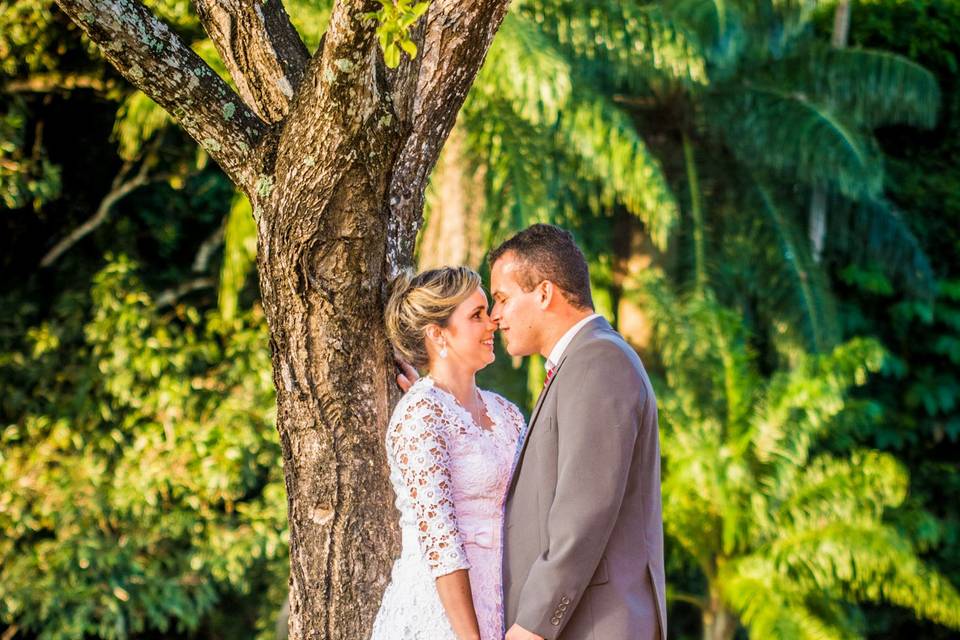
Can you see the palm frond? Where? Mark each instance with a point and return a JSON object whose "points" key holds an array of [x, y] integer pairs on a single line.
{"points": [[829, 488], [619, 44], [595, 142], [612, 152], [873, 88], [773, 127], [525, 68], [866, 560], [513, 153], [873, 232], [772, 606], [795, 275], [720, 28], [801, 403]]}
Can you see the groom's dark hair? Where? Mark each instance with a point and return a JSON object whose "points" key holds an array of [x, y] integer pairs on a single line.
{"points": [[547, 252]]}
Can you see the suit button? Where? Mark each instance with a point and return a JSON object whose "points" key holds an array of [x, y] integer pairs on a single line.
{"points": [[563, 607], [555, 622], [565, 600]]}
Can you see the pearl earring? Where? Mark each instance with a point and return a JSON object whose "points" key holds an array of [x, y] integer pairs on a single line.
{"points": [[443, 350]]}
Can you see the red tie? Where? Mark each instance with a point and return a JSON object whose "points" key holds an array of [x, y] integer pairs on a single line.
{"points": [[549, 377]]}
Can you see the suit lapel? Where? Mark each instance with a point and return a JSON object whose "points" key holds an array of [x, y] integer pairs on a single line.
{"points": [[582, 336]]}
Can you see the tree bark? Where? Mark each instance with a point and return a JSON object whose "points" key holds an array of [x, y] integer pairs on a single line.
{"points": [[452, 234], [261, 49], [335, 169], [818, 199], [719, 623], [635, 254]]}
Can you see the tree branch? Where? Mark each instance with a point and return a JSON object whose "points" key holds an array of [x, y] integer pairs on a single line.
{"points": [[157, 61], [261, 49], [455, 43], [54, 82], [205, 252], [343, 98], [120, 188], [677, 596], [171, 296]]}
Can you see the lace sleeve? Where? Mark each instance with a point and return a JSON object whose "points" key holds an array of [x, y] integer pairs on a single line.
{"points": [[419, 447]]}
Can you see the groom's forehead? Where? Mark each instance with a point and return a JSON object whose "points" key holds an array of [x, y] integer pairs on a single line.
{"points": [[504, 273]]}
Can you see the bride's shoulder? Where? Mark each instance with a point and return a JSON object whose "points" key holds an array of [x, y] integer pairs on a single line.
{"points": [[420, 399]]}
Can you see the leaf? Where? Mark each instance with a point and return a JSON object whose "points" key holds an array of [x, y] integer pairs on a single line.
{"points": [[409, 47], [391, 56]]}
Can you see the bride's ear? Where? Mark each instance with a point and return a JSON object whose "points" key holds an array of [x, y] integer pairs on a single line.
{"points": [[434, 334]]}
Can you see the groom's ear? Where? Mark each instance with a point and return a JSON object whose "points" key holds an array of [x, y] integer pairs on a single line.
{"points": [[545, 292]]}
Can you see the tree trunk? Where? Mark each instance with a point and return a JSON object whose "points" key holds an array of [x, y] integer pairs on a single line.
{"points": [[719, 623], [333, 152], [818, 199], [321, 283], [452, 233], [696, 211], [635, 253]]}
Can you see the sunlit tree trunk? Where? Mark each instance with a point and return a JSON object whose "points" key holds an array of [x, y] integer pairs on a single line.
{"points": [[333, 151], [719, 623], [634, 253], [818, 200], [452, 232]]}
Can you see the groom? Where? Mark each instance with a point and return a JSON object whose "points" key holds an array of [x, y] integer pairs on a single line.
{"points": [[583, 534]]}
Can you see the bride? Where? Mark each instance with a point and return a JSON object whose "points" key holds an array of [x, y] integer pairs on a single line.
{"points": [[450, 447]]}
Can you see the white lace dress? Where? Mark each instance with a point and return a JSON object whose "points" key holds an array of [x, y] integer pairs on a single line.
{"points": [[450, 476]]}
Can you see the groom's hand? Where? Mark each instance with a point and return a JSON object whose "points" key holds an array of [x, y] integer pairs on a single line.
{"points": [[517, 632], [407, 376]]}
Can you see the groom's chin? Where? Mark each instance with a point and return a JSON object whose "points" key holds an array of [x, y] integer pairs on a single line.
{"points": [[515, 353]]}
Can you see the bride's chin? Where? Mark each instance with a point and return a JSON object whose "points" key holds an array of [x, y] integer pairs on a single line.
{"points": [[488, 360]]}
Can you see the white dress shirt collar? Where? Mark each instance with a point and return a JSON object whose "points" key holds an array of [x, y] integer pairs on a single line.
{"points": [[557, 352]]}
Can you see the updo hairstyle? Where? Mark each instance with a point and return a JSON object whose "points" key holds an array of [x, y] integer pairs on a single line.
{"points": [[417, 301]]}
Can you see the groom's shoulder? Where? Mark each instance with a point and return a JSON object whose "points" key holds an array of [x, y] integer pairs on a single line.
{"points": [[604, 344]]}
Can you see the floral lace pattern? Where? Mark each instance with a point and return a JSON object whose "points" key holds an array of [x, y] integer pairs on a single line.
{"points": [[450, 476]]}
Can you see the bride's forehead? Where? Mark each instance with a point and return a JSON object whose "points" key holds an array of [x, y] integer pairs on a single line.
{"points": [[476, 299]]}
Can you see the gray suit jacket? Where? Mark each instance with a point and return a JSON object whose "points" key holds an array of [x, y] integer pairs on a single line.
{"points": [[583, 531]]}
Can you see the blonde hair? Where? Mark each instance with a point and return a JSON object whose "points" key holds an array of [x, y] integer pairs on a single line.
{"points": [[415, 302]]}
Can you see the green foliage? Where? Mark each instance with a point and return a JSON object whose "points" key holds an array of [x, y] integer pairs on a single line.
{"points": [[239, 255], [394, 19], [138, 119], [34, 36], [784, 110], [310, 17], [140, 491], [26, 178], [141, 480], [785, 536], [626, 45], [551, 142], [784, 131]]}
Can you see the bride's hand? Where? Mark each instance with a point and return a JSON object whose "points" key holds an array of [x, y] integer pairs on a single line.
{"points": [[407, 376], [516, 632]]}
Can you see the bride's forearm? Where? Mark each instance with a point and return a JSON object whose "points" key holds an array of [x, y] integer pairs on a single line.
{"points": [[457, 600]]}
